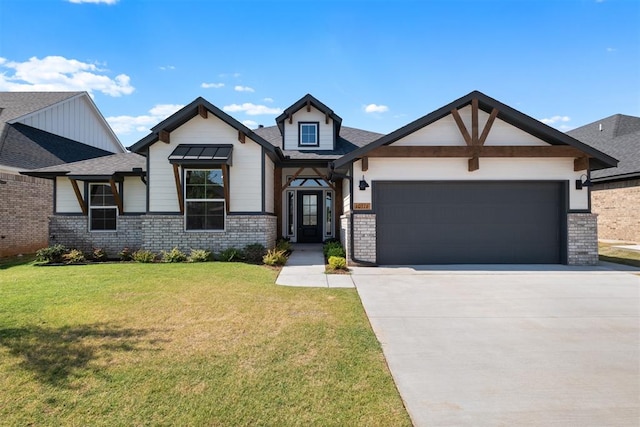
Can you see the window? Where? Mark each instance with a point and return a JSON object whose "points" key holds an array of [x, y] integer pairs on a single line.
{"points": [[308, 134], [204, 199], [102, 208], [290, 214], [328, 213]]}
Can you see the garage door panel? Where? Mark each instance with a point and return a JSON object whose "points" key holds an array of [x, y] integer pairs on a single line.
{"points": [[469, 222]]}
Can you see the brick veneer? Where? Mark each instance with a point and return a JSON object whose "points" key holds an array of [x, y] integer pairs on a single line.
{"points": [[25, 204], [364, 236], [618, 207], [582, 237], [162, 232]]}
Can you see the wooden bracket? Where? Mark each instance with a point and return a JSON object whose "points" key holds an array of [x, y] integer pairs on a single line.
{"points": [[225, 183], [241, 137], [202, 111], [474, 164], [487, 126], [326, 178], [461, 126], [308, 106], [290, 118], [163, 136], [81, 202], [365, 163], [116, 196], [326, 118], [176, 176], [580, 164], [290, 180]]}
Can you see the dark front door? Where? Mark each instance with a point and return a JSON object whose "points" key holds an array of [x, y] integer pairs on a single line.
{"points": [[309, 217]]}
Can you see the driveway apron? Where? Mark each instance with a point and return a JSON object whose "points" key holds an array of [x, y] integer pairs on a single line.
{"points": [[558, 346]]}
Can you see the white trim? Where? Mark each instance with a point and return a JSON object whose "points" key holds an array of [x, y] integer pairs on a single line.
{"points": [[316, 128], [185, 201], [90, 208]]}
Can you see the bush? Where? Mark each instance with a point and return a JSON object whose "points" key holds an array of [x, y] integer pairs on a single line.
{"points": [[99, 255], [336, 251], [253, 253], [51, 254], [274, 257], [174, 255], [125, 254], [337, 263], [231, 254], [199, 255], [74, 256], [329, 245], [283, 244], [143, 256]]}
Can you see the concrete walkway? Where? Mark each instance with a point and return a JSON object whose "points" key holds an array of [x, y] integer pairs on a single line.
{"points": [[305, 267]]}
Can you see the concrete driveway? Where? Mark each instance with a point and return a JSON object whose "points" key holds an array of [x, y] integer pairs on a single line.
{"points": [[557, 346]]}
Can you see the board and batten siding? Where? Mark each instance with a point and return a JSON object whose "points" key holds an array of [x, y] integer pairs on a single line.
{"points": [[134, 195], [269, 171], [245, 181], [456, 169], [75, 119], [325, 130], [66, 200]]}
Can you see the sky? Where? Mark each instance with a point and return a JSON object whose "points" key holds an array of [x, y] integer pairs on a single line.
{"points": [[378, 64]]}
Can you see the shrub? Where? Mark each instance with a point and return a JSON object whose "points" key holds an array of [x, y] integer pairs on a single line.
{"points": [[125, 254], [329, 245], [253, 253], [274, 257], [283, 244], [74, 256], [99, 255], [143, 256], [51, 254], [337, 263], [174, 255], [336, 251], [231, 254], [199, 255]]}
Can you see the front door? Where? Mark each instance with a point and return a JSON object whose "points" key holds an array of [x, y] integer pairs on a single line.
{"points": [[309, 217]]}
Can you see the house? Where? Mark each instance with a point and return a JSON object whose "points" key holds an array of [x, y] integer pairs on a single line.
{"points": [[39, 129], [472, 182], [615, 193]]}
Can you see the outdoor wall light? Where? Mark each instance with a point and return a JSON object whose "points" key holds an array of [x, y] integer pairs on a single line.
{"points": [[363, 184], [583, 183]]}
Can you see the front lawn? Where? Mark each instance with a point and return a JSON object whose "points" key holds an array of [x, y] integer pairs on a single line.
{"points": [[609, 252], [214, 344]]}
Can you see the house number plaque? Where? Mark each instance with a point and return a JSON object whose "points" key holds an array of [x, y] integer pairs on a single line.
{"points": [[362, 206]]}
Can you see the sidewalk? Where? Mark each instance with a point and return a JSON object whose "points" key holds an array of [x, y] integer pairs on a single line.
{"points": [[305, 268]]}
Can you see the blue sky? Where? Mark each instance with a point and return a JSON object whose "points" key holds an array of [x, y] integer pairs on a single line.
{"points": [[377, 64]]}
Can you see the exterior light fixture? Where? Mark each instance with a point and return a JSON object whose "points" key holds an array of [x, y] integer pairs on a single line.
{"points": [[584, 181], [363, 184]]}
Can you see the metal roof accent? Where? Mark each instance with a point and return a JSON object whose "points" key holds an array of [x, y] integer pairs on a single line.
{"points": [[199, 154]]}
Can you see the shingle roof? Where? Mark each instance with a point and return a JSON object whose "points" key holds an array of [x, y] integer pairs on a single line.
{"points": [[26, 147], [619, 137], [348, 140], [18, 104], [107, 166]]}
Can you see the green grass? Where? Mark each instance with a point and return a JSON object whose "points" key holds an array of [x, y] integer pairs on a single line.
{"points": [[609, 253], [211, 344]]}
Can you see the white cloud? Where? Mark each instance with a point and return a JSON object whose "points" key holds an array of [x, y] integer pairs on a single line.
{"points": [[555, 119], [123, 125], [224, 75], [611, 49], [212, 85], [268, 99], [373, 108], [251, 109], [250, 124], [93, 1], [167, 67], [243, 89], [57, 73]]}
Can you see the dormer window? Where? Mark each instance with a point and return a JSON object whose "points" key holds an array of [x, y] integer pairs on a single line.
{"points": [[308, 134]]}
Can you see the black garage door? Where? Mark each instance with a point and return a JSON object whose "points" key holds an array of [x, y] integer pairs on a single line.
{"points": [[470, 222]]}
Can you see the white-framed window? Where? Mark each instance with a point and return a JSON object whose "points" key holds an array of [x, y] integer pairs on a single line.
{"points": [[204, 199], [308, 133], [291, 213], [328, 214], [103, 211]]}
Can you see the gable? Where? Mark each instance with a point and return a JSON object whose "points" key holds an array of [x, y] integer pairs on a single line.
{"points": [[325, 128]]}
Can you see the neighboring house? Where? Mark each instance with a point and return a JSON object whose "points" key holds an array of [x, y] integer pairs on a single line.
{"points": [[472, 182], [615, 193], [39, 129]]}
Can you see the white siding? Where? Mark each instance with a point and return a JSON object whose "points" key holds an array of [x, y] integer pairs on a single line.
{"points": [[66, 201], [456, 169], [134, 194], [245, 181], [346, 196], [76, 119], [446, 132], [325, 130], [269, 170]]}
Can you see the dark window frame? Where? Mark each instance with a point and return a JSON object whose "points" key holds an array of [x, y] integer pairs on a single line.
{"points": [[205, 200], [317, 127], [92, 208]]}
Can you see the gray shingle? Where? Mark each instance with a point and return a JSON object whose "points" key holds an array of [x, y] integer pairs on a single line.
{"points": [[102, 166], [18, 104]]}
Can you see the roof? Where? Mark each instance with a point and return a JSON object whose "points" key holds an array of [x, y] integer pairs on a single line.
{"points": [[301, 103], [187, 113], [348, 140], [107, 166], [194, 154], [14, 105], [598, 159], [26, 147], [619, 137]]}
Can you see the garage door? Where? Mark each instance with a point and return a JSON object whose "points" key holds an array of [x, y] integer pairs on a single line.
{"points": [[470, 222]]}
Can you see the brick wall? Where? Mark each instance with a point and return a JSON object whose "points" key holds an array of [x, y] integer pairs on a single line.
{"points": [[364, 237], [582, 237], [25, 204], [618, 207]]}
